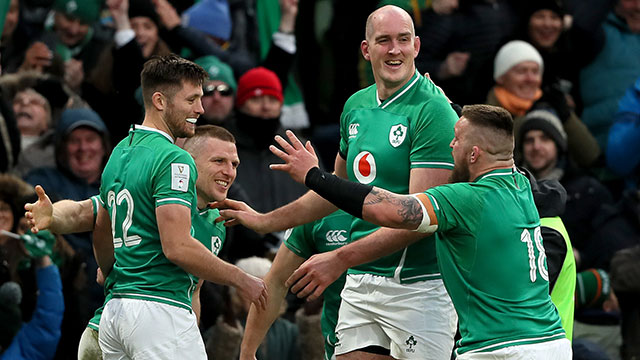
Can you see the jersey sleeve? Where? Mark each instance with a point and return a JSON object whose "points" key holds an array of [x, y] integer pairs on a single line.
{"points": [[300, 240], [174, 179], [96, 202], [457, 207], [344, 136], [432, 134]]}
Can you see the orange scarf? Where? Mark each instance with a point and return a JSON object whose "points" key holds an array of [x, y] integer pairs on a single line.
{"points": [[515, 105]]}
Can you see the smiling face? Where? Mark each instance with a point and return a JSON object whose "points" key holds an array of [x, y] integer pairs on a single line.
{"points": [[391, 46], [182, 109], [523, 80], [146, 34], [217, 163], [545, 27], [85, 153]]}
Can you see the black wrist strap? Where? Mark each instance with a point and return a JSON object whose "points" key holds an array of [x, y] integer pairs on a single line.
{"points": [[347, 195]]}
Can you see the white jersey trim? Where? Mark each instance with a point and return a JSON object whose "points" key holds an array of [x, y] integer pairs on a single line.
{"points": [[159, 201], [506, 343], [425, 225], [431, 163], [400, 93], [142, 127]]}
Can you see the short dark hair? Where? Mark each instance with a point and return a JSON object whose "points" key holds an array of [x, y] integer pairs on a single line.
{"points": [[167, 73], [216, 132], [492, 117]]}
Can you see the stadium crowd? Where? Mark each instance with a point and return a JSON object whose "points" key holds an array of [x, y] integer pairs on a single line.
{"points": [[568, 72]]}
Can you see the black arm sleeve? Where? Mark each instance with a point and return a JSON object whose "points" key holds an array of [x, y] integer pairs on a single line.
{"points": [[347, 195], [556, 250]]}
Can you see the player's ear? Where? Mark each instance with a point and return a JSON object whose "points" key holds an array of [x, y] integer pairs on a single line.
{"points": [[364, 47], [475, 151], [159, 101]]}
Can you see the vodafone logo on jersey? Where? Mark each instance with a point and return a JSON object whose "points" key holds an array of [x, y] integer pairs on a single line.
{"points": [[364, 167]]}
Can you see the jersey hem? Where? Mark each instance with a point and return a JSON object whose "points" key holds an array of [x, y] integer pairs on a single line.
{"points": [[403, 279], [154, 298], [515, 342]]}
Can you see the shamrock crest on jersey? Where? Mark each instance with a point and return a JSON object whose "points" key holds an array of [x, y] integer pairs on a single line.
{"points": [[397, 134]]}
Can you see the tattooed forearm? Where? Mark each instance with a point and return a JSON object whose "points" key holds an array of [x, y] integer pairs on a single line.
{"points": [[377, 196], [406, 207], [410, 210]]}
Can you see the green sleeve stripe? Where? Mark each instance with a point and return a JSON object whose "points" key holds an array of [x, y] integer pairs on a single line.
{"points": [[93, 326], [432, 164], [172, 201]]}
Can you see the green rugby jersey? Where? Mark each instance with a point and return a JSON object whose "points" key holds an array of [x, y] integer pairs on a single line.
{"points": [[323, 235], [382, 142], [147, 170], [493, 262], [204, 228]]}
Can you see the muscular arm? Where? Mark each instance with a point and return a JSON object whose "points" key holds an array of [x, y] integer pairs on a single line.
{"points": [[103, 242], [307, 208], [188, 253], [395, 211], [258, 322], [63, 217]]}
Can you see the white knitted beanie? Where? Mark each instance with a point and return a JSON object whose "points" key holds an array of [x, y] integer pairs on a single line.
{"points": [[513, 53]]}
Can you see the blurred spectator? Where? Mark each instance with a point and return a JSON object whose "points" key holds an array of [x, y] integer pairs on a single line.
{"points": [[565, 46], [223, 340], [259, 103], [33, 116], [136, 39], [623, 149], [9, 136], [518, 75], [38, 336], [593, 220], [14, 41], [219, 90], [458, 48], [604, 81], [625, 280], [82, 148], [597, 312]]}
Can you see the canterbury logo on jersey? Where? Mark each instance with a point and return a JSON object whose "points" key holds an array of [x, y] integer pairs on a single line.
{"points": [[364, 167], [353, 130], [336, 236]]}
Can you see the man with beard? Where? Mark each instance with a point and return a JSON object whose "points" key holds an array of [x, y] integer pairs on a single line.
{"points": [[490, 250], [142, 230], [393, 134]]}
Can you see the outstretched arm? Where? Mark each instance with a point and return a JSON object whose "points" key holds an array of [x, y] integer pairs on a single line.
{"points": [[63, 217], [259, 322], [376, 205]]}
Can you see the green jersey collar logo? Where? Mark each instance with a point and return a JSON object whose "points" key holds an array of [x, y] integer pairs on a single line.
{"points": [[397, 134]]}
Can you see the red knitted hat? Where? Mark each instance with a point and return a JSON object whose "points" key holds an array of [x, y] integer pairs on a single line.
{"points": [[256, 82]]}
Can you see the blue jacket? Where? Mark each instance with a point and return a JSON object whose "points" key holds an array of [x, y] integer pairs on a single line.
{"points": [[623, 151], [38, 339], [605, 80]]}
